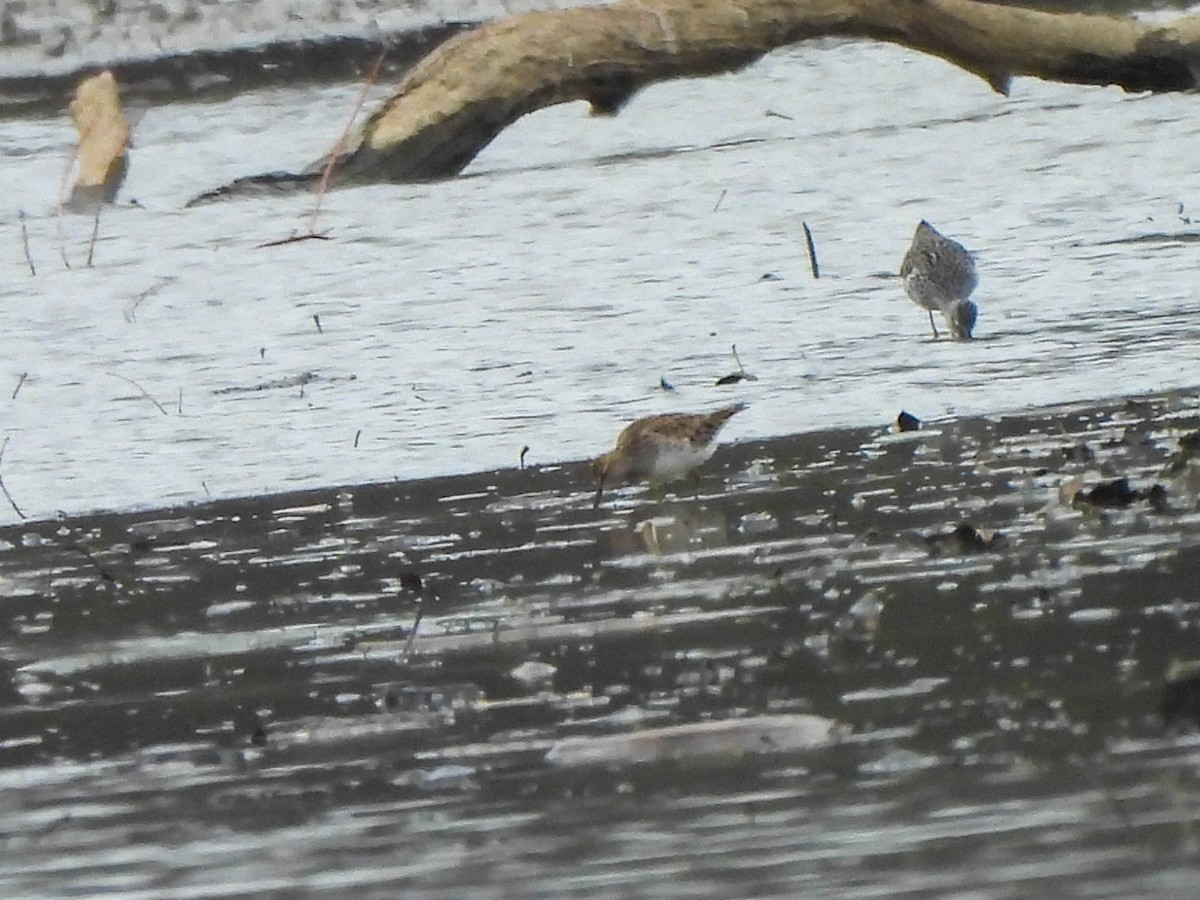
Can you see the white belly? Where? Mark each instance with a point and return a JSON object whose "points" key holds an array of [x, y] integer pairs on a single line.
{"points": [[675, 459], [926, 293]]}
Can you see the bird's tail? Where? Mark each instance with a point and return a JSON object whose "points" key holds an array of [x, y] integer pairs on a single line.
{"points": [[716, 420], [722, 415]]}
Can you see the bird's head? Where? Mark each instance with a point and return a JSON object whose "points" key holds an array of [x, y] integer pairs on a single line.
{"points": [[962, 319], [608, 468]]}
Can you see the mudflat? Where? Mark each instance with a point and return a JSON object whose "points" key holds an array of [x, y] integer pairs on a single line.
{"points": [[985, 601]]}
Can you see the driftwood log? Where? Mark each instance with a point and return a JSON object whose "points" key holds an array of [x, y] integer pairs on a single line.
{"points": [[456, 100]]}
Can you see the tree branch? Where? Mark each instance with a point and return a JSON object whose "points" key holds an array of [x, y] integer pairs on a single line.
{"points": [[455, 101]]}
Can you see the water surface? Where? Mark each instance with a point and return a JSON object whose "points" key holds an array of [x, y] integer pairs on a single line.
{"points": [[798, 680], [540, 300]]}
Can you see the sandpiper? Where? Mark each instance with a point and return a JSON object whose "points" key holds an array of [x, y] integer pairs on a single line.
{"points": [[939, 274], [661, 448]]}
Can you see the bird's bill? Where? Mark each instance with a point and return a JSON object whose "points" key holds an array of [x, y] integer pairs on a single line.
{"points": [[600, 471]]}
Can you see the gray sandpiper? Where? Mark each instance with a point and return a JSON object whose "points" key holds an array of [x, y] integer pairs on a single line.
{"points": [[939, 274]]}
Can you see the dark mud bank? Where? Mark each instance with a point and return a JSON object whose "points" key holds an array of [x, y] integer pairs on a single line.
{"points": [[968, 621], [830, 558], [215, 74]]}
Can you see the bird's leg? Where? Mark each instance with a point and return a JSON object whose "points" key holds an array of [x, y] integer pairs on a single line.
{"points": [[933, 326]]}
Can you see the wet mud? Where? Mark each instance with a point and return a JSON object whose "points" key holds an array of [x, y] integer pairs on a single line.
{"points": [[979, 608]]}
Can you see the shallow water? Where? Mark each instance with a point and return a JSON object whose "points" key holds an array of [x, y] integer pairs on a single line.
{"points": [[226, 699], [539, 301]]}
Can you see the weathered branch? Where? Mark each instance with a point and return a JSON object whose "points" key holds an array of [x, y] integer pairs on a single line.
{"points": [[454, 102], [103, 142]]}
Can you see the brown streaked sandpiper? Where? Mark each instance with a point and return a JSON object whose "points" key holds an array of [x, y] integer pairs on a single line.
{"points": [[661, 448]]}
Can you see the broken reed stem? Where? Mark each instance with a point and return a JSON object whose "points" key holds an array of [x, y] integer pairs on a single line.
{"points": [[323, 185], [17, 389], [25, 242], [812, 251], [162, 409], [7, 495]]}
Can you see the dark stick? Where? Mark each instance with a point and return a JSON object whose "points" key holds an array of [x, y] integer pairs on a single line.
{"points": [[317, 319], [412, 635], [292, 239], [7, 495], [20, 381], [719, 199], [357, 435], [812, 251], [524, 450], [162, 409], [105, 574], [25, 242]]}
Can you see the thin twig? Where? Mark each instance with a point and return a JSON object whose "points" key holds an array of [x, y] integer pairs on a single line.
{"points": [[412, 635], [317, 321], [812, 251], [95, 233], [20, 381], [724, 191], [294, 238], [323, 185], [524, 450], [162, 409], [58, 213], [131, 310], [103, 571], [357, 435], [7, 495], [107, 576], [25, 242]]}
